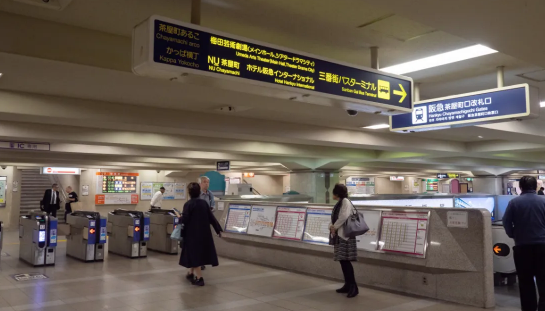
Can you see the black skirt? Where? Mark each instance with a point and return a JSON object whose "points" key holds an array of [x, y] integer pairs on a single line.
{"points": [[345, 249]]}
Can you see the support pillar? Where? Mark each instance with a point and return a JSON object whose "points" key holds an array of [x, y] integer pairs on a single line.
{"points": [[374, 57], [500, 76], [196, 12]]}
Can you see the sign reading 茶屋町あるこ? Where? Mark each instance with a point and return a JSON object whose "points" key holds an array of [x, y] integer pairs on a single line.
{"points": [[189, 48], [466, 109]]}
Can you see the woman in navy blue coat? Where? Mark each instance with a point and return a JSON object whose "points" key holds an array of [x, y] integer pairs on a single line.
{"points": [[198, 244]]}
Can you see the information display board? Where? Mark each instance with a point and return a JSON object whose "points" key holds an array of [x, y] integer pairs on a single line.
{"points": [[238, 218], [404, 233], [114, 199], [317, 225], [466, 109], [116, 182], [369, 240], [3, 185], [290, 223], [424, 202], [360, 185], [173, 191], [262, 220], [208, 52]]}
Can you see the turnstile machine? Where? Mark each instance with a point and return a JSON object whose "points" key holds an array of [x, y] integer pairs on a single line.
{"points": [[87, 237], [37, 238], [129, 233], [162, 223]]}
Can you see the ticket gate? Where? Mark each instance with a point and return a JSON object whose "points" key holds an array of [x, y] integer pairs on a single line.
{"points": [[162, 223], [38, 238], [1, 236], [129, 233], [87, 237]]}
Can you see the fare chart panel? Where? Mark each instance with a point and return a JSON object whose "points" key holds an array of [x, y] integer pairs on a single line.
{"points": [[404, 233], [238, 218], [180, 44], [369, 240], [317, 225], [262, 220], [290, 223]]}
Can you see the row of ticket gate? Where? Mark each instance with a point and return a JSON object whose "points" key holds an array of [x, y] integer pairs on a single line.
{"points": [[130, 234]]}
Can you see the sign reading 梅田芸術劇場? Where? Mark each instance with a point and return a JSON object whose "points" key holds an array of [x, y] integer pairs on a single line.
{"points": [[204, 51], [466, 109]]}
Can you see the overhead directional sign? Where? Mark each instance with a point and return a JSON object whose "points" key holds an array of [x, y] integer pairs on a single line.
{"points": [[466, 109], [164, 44]]}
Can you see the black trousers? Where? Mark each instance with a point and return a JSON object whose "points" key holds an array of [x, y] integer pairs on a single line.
{"points": [[348, 272], [530, 264]]}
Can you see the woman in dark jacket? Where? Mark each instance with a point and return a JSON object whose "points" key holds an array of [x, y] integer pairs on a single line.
{"points": [[198, 244], [345, 248]]}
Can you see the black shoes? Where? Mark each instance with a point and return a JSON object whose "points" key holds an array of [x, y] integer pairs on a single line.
{"points": [[190, 277], [353, 291], [198, 282], [202, 268], [344, 289]]}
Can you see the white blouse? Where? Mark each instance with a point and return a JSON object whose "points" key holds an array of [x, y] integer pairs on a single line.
{"points": [[344, 214]]}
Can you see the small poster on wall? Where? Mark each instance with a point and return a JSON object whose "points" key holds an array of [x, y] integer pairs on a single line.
{"points": [[173, 191], [85, 190]]}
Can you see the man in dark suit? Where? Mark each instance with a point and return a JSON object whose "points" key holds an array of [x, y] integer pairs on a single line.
{"points": [[51, 200]]}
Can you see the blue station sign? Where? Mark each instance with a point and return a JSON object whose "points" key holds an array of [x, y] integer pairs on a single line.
{"points": [[466, 109], [204, 51]]}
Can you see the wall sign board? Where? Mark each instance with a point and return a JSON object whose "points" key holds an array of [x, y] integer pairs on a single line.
{"points": [[61, 171], [165, 44], [467, 109], [223, 166]]}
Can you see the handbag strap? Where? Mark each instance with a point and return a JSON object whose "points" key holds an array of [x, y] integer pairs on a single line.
{"points": [[355, 211]]}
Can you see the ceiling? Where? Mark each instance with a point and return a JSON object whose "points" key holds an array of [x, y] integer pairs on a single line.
{"points": [[84, 53]]}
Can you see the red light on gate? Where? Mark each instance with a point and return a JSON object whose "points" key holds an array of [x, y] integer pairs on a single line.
{"points": [[136, 229], [91, 231]]}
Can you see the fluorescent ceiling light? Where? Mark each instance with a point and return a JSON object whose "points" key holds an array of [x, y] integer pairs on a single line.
{"points": [[440, 59], [542, 104], [377, 126]]}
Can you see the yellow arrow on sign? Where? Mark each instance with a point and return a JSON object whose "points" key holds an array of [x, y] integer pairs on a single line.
{"points": [[401, 93]]}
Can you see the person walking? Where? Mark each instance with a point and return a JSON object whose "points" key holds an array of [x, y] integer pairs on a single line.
{"points": [[51, 200], [157, 200], [72, 198], [207, 195], [344, 247], [198, 247], [524, 221]]}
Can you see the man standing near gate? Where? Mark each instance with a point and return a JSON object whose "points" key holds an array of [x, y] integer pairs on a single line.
{"points": [[51, 200], [524, 221]]}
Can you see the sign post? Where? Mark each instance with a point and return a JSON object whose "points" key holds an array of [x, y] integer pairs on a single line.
{"points": [[511, 102], [166, 48]]}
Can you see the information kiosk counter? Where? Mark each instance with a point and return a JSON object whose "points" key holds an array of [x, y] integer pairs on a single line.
{"points": [[441, 253]]}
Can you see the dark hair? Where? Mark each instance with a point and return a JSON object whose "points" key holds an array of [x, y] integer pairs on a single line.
{"points": [[162, 188], [528, 183], [194, 190], [54, 185], [340, 191], [541, 188]]}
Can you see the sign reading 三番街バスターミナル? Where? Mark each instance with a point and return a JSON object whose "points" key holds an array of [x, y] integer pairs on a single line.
{"points": [[164, 45], [466, 109]]}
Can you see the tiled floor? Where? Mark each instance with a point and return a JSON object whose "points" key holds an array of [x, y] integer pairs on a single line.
{"points": [[157, 283]]}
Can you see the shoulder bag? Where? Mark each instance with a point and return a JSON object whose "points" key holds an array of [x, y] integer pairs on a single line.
{"points": [[177, 233], [355, 224]]}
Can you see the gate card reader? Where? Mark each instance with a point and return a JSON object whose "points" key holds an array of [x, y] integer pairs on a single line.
{"points": [[87, 237], [38, 238], [162, 225], [129, 233]]}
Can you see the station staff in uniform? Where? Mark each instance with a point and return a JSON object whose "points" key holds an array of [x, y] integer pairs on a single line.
{"points": [[72, 198], [206, 195], [524, 221], [157, 200], [51, 200]]}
